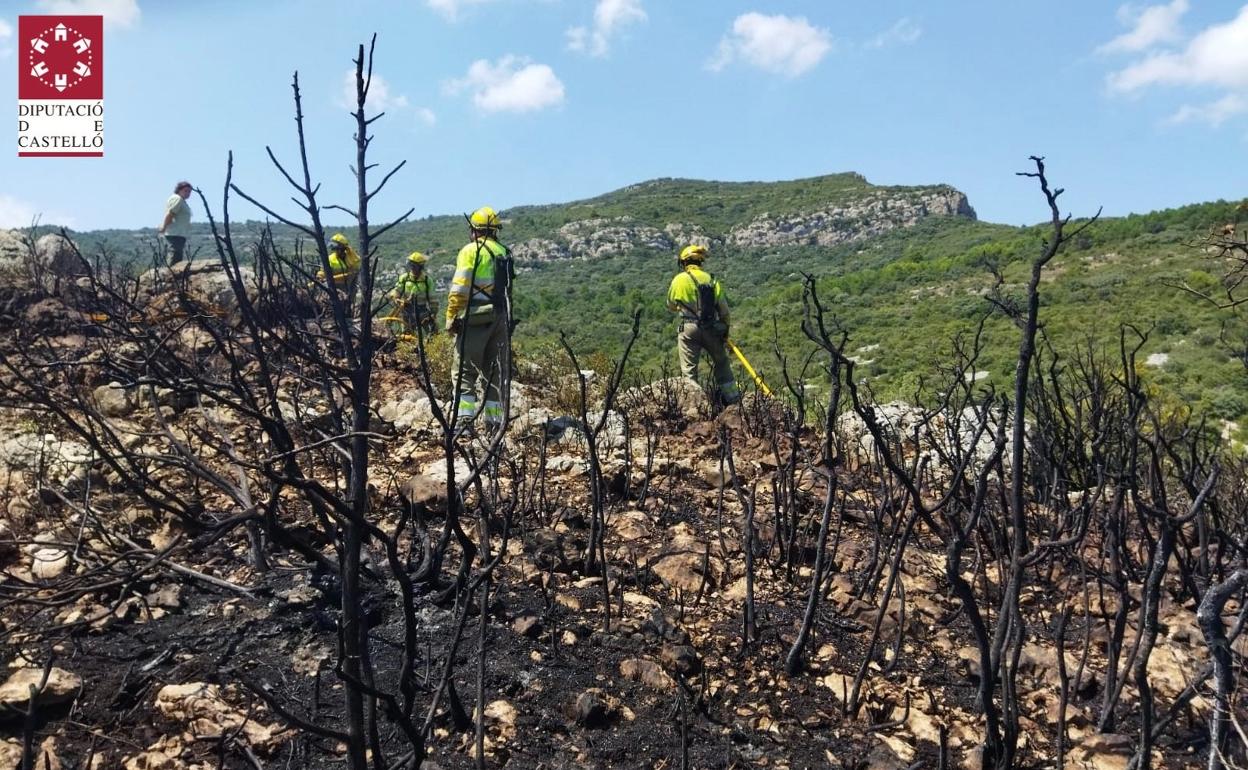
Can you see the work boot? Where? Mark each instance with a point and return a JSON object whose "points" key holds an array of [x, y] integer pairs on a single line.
{"points": [[720, 402]]}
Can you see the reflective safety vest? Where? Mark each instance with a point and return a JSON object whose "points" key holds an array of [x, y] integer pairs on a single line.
{"points": [[413, 290], [342, 267], [472, 287], [683, 294]]}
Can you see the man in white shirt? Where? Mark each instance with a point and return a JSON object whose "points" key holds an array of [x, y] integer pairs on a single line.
{"points": [[176, 226]]}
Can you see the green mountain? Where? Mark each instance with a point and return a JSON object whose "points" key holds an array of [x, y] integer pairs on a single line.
{"points": [[904, 269]]}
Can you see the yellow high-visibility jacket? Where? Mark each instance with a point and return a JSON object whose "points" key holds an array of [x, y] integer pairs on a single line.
{"points": [[472, 287], [414, 291], [343, 268], [682, 295]]}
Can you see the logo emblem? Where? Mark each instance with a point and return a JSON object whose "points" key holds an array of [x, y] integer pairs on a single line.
{"points": [[60, 86], [60, 57]]}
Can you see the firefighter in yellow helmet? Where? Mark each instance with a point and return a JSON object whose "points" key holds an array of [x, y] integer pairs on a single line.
{"points": [[698, 300], [344, 266], [344, 263], [476, 314], [413, 294]]}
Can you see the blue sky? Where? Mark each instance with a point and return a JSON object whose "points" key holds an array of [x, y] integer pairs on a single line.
{"points": [[507, 102]]}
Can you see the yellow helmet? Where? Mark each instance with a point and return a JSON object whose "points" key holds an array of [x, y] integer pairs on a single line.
{"points": [[484, 218], [340, 238], [694, 253], [416, 258]]}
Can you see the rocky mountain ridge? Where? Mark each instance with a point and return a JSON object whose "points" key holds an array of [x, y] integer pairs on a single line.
{"points": [[870, 215]]}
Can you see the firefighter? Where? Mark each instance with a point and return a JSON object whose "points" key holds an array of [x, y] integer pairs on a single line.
{"points": [[477, 314], [413, 295], [698, 300], [344, 266]]}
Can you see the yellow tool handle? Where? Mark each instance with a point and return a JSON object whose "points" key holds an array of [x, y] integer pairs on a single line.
{"points": [[736, 351]]}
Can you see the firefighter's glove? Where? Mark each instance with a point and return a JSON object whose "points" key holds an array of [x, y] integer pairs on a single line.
{"points": [[454, 325]]}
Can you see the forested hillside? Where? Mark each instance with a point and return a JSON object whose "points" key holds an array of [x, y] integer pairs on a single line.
{"points": [[906, 269]]}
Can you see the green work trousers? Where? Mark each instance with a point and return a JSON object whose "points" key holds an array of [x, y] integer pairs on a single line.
{"points": [[479, 348], [418, 315], [691, 341]]}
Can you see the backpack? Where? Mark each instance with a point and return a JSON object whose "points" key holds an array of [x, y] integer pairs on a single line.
{"points": [[708, 308]]}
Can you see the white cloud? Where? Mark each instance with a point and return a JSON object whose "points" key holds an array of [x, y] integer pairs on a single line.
{"points": [[1214, 113], [781, 45], [512, 84], [426, 116], [6, 34], [1149, 26], [1217, 56], [904, 32], [610, 18], [15, 213], [451, 9], [379, 98], [122, 13], [1214, 58]]}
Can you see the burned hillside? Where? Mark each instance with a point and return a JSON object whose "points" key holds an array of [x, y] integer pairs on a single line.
{"points": [[243, 530]]}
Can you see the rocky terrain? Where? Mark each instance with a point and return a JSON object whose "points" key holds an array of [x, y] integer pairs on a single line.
{"points": [[870, 215], [647, 563], [875, 214]]}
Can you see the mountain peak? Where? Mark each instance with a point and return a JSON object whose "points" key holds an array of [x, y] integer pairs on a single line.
{"points": [[663, 214]]}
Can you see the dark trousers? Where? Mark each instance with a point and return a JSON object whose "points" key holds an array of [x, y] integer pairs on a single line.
{"points": [[418, 315], [176, 249]]}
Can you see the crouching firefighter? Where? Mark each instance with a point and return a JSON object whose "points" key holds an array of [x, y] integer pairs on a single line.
{"points": [[413, 296], [698, 299], [478, 313]]}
